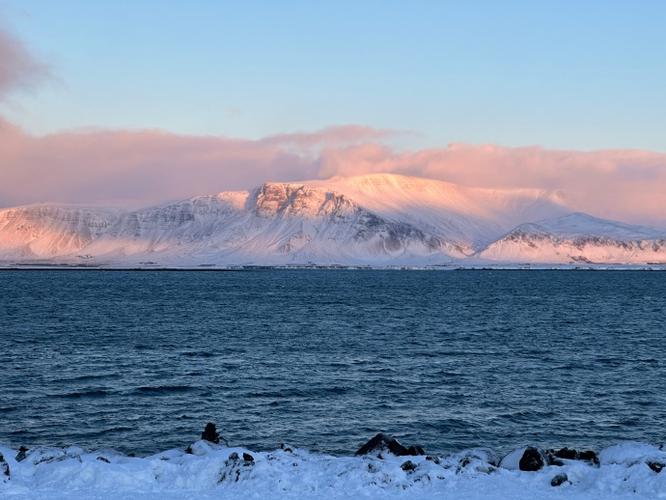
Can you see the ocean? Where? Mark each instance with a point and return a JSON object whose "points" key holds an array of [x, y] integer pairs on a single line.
{"points": [[139, 361]]}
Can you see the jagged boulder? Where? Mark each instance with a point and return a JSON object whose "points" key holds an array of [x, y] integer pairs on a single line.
{"points": [[382, 442]]}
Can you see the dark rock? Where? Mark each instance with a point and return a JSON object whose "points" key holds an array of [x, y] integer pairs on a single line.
{"points": [[559, 480], [531, 461], [589, 456], [408, 466], [233, 457], [374, 443], [415, 451], [103, 459], [4, 466], [188, 450], [656, 466], [22, 454], [382, 442], [433, 459], [565, 453], [247, 457], [555, 457], [210, 433]]}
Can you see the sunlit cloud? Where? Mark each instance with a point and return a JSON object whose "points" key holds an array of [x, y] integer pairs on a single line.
{"points": [[125, 167], [622, 184]]}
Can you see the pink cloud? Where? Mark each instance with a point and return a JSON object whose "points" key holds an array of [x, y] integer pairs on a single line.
{"points": [[149, 166], [132, 167], [622, 184]]}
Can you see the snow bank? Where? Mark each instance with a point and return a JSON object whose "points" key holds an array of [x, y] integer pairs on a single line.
{"points": [[212, 471]]}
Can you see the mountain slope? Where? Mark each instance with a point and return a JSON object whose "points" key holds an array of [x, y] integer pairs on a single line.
{"points": [[579, 237], [470, 217]]}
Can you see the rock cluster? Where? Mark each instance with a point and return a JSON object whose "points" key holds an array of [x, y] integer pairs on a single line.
{"points": [[555, 456], [534, 459], [382, 442]]}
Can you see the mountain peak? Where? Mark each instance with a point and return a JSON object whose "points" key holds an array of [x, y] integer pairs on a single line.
{"points": [[293, 199]]}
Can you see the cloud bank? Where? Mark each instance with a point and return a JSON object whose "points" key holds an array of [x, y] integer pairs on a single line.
{"points": [[132, 168], [622, 184]]}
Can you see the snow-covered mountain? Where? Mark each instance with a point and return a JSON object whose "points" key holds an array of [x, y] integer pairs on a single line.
{"points": [[51, 230], [376, 219], [580, 238], [277, 223]]}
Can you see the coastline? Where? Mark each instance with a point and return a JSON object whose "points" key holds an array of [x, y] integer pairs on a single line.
{"points": [[328, 267], [208, 470]]}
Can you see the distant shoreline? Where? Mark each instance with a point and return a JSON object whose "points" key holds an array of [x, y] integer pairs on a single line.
{"points": [[562, 267]]}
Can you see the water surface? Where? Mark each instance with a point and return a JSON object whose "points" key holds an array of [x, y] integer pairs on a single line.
{"points": [[139, 361]]}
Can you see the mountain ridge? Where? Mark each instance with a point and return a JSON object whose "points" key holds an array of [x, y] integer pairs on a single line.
{"points": [[377, 219]]}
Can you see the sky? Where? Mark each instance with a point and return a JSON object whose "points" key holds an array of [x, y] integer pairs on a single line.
{"points": [[129, 102]]}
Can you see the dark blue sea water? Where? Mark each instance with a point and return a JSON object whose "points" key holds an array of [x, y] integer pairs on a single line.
{"points": [[323, 359]]}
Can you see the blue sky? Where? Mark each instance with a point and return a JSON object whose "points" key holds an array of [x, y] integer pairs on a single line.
{"points": [[562, 74]]}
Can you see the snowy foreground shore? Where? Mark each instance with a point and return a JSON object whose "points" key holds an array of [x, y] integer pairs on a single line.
{"points": [[628, 470]]}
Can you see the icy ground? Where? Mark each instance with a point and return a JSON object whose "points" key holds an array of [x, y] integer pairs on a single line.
{"points": [[212, 471]]}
